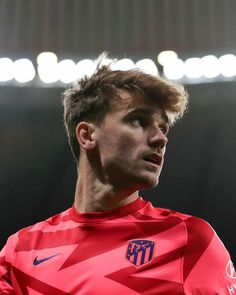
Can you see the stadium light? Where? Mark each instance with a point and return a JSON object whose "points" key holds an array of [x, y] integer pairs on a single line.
{"points": [[47, 67], [45, 58], [193, 67], [210, 66], [166, 56], [122, 64], [147, 66], [85, 67], [6, 69], [48, 74], [174, 70], [66, 71], [23, 70], [227, 64]]}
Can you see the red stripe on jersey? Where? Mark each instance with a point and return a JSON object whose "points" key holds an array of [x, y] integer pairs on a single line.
{"points": [[61, 217], [25, 280], [196, 246], [164, 259], [144, 285], [5, 263], [40, 240], [100, 241]]}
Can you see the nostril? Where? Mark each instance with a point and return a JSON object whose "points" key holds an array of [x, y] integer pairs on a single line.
{"points": [[158, 143]]}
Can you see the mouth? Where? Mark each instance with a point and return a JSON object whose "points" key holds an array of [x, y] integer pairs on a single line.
{"points": [[154, 159]]}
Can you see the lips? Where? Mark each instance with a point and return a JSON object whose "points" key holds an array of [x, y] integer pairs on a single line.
{"points": [[155, 159]]}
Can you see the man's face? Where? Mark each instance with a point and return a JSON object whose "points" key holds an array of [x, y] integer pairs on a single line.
{"points": [[132, 142]]}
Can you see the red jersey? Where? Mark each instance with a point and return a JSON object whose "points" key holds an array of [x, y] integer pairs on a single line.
{"points": [[136, 249]]}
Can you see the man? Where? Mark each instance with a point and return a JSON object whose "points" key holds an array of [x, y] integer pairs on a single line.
{"points": [[112, 241]]}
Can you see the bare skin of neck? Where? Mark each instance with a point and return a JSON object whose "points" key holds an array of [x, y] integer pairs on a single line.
{"points": [[95, 194]]}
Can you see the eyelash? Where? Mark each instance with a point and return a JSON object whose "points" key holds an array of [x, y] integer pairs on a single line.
{"points": [[164, 130], [143, 122]]}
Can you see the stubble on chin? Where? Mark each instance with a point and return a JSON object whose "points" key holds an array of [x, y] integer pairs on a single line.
{"points": [[147, 182]]}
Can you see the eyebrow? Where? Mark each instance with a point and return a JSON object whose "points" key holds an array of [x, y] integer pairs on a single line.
{"points": [[142, 110], [147, 111]]}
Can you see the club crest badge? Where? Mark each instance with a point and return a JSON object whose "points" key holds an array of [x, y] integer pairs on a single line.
{"points": [[140, 252], [230, 270]]}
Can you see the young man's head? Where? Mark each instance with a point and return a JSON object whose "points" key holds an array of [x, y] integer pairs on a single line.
{"points": [[128, 114]]}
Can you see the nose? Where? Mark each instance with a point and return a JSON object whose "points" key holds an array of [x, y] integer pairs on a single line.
{"points": [[157, 138]]}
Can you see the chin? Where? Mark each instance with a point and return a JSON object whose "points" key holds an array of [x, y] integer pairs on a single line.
{"points": [[149, 182], [140, 181]]}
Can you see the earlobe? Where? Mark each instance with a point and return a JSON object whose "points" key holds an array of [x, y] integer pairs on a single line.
{"points": [[85, 135]]}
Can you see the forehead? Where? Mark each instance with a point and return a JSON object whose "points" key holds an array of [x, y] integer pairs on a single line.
{"points": [[130, 102]]}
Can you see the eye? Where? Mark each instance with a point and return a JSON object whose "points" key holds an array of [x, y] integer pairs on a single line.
{"points": [[140, 121], [165, 129]]}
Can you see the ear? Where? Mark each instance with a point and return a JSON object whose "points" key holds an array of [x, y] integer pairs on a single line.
{"points": [[85, 135]]}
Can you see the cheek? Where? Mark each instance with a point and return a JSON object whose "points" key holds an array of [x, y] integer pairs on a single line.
{"points": [[119, 146], [107, 143], [129, 145]]}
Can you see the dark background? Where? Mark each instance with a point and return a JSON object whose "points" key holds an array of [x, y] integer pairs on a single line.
{"points": [[37, 170]]}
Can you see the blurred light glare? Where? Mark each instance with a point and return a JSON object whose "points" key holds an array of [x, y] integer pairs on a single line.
{"points": [[48, 74], [166, 56], [193, 68], [174, 70], [147, 66], [124, 64], [104, 62], [6, 69], [227, 64], [49, 70], [85, 67], [46, 58], [210, 66], [66, 71], [47, 67], [23, 70]]}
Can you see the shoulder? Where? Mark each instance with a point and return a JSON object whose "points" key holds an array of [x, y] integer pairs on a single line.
{"points": [[165, 213], [207, 267], [205, 259], [33, 232], [201, 240], [198, 230], [195, 227]]}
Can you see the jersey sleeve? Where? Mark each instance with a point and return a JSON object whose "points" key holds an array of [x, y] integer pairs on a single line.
{"points": [[6, 256], [207, 268]]}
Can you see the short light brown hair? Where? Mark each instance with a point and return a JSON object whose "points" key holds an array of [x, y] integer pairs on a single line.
{"points": [[91, 98]]}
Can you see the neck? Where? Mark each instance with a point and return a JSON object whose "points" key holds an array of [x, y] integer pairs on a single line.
{"points": [[94, 195]]}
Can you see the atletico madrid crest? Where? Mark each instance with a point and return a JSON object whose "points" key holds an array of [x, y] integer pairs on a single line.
{"points": [[140, 251]]}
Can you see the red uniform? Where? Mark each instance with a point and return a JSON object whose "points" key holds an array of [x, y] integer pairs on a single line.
{"points": [[136, 249]]}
